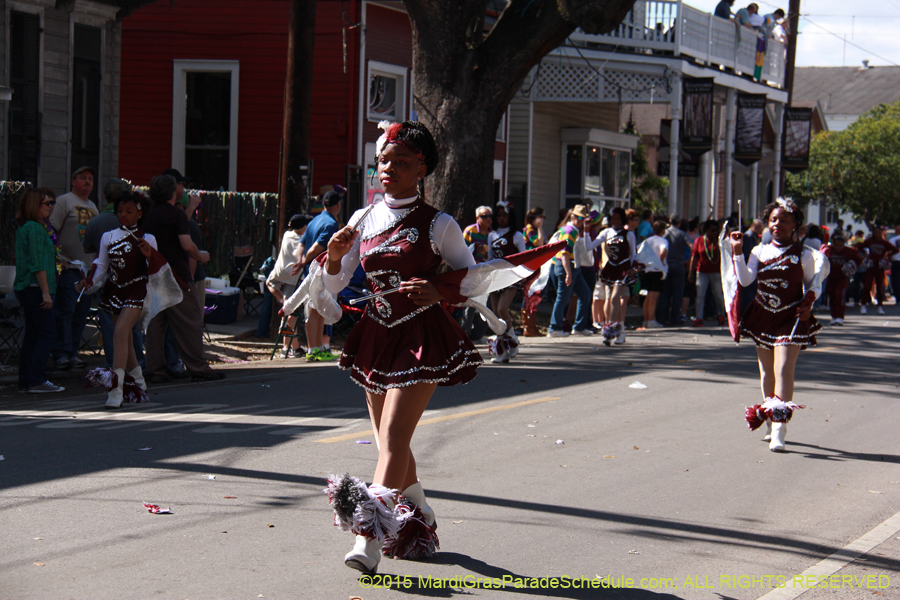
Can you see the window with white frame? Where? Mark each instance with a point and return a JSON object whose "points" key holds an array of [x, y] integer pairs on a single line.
{"points": [[205, 122], [386, 98]]}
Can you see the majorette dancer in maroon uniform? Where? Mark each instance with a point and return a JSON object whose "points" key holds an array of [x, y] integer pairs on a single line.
{"points": [[789, 277], [878, 260], [618, 274], [406, 344], [127, 271], [844, 261], [502, 242]]}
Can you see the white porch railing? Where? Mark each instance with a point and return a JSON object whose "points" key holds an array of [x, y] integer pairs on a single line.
{"points": [[671, 26]]}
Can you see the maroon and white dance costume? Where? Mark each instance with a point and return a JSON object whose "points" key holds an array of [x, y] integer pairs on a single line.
{"points": [[621, 257], [878, 261], [125, 278], [127, 268], [843, 266], [397, 343], [502, 243], [787, 277]]}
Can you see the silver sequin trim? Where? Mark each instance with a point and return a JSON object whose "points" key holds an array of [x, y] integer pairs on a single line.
{"points": [[379, 389], [402, 320], [411, 234], [434, 247], [368, 236]]}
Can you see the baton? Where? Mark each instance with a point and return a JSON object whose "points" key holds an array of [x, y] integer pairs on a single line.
{"points": [[794, 330], [362, 218], [375, 295]]}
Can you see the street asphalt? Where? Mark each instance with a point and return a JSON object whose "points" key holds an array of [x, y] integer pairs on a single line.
{"points": [[553, 476]]}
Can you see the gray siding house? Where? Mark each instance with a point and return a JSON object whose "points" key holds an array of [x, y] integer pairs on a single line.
{"points": [[59, 88]]}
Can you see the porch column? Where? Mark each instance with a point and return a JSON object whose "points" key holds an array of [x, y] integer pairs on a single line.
{"points": [[729, 150], [779, 126], [707, 194], [754, 191], [675, 147]]}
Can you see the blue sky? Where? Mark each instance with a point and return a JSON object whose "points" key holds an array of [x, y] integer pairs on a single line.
{"points": [[874, 25]]}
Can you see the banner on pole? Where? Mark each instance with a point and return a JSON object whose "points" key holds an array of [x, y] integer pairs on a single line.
{"points": [[697, 123], [748, 135], [795, 147], [688, 165]]}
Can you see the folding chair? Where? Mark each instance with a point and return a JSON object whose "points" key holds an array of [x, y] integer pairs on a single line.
{"points": [[285, 332], [11, 321], [92, 342], [242, 276], [11, 327], [206, 311]]}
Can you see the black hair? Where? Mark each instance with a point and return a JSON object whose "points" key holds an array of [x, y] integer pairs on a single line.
{"points": [[417, 135], [707, 224], [140, 202], [162, 188], [618, 210], [797, 213], [299, 221]]}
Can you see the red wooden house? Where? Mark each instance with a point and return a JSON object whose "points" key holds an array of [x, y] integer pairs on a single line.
{"points": [[203, 87]]}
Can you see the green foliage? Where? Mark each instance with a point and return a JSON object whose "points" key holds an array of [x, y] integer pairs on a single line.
{"points": [[647, 190], [858, 169]]}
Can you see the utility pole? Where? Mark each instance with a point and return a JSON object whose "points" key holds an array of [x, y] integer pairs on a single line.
{"points": [[793, 24], [297, 110]]}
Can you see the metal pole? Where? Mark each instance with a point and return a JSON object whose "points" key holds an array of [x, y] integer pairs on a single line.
{"points": [[779, 128]]}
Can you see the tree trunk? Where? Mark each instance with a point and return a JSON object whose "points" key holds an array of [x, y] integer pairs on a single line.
{"points": [[464, 81]]}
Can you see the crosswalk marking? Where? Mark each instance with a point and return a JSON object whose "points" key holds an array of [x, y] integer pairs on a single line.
{"points": [[207, 418]]}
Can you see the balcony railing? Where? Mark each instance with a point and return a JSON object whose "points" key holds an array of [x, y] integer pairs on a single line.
{"points": [[673, 27]]}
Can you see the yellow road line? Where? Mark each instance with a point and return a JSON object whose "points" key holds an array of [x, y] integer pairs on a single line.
{"points": [[471, 413], [821, 349]]}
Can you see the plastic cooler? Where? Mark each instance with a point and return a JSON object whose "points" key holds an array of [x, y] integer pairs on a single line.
{"points": [[225, 299]]}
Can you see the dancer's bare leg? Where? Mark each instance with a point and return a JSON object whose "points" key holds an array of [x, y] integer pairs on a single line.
{"points": [[766, 360], [394, 417], [123, 348], [784, 364]]}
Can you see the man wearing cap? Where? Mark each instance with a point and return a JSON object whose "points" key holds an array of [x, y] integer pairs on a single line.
{"points": [[69, 218], [315, 240], [108, 221], [569, 279]]}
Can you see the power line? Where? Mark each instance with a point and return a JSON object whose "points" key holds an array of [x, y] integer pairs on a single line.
{"points": [[851, 43]]}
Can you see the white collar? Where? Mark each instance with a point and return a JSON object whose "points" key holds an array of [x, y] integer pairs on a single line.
{"points": [[391, 202]]}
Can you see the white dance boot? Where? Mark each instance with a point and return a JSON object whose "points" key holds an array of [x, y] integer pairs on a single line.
{"points": [[514, 349], [365, 556], [416, 493], [502, 353], [138, 376], [768, 435], [779, 430], [115, 396]]}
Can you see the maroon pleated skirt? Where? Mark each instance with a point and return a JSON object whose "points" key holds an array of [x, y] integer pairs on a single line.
{"points": [[770, 329], [429, 347]]}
